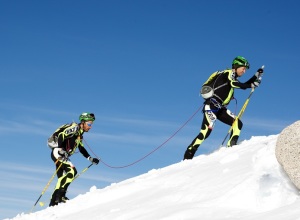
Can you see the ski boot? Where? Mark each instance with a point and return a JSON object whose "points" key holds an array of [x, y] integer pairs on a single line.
{"points": [[233, 141], [53, 200], [64, 199], [189, 153], [60, 196]]}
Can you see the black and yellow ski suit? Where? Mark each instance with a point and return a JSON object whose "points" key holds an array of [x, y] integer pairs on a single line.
{"points": [[69, 139], [215, 108]]}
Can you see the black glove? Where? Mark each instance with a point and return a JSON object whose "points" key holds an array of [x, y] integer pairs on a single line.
{"points": [[259, 72], [256, 83], [94, 160], [64, 154]]}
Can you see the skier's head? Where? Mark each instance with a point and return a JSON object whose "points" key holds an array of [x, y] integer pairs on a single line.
{"points": [[240, 61], [87, 120]]}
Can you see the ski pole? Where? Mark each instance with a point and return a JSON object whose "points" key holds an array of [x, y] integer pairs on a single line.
{"points": [[85, 169], [242, 110], [47, 185], [239, 115]]}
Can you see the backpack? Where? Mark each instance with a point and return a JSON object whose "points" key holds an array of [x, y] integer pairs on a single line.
{"points": [[208, 88], [52, 140]]}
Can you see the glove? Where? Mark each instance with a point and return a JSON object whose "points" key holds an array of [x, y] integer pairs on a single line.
{"points": [[94, 160], [259, 72], [63, 153], [256, 83]]}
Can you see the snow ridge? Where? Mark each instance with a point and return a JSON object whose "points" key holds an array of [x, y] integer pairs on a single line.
{"points": [[242, 182]]}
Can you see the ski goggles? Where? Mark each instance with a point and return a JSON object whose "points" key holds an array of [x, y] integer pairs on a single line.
{"points": [[89, 124]]}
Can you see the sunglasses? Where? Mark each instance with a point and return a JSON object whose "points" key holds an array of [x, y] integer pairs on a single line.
{"points": [[89, 124]]}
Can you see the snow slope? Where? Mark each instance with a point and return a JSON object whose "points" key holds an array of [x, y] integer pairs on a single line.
{"points": [[243, 182]]}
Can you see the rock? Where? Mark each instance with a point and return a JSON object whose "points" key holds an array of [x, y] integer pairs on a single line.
{"points": [[288, 152]]}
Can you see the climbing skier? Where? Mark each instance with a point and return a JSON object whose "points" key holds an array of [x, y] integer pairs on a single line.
{"points": [[218, 91], [64, 143]]}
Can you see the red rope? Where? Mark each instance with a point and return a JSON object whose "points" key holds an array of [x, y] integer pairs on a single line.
{"points": [[142, 158]]}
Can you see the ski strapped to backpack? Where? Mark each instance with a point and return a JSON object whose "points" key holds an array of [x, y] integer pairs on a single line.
{"points": [[66, 128]]}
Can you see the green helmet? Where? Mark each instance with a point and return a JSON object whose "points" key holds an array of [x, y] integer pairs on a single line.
{"points": [[240, 61], [86, 116]]}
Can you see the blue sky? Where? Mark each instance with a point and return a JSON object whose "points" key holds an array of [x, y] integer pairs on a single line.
{"points": [[138, 65]]}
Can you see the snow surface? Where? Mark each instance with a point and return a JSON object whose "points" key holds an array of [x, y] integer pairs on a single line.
{"points": [[244, 182]]}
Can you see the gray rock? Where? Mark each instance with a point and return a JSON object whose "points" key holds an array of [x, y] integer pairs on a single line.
{"points": [[288, 152]]}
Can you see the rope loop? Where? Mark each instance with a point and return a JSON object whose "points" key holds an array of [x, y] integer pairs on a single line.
{"points": [[151, 152]]}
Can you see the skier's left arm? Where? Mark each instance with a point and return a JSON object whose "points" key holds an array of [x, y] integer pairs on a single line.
{"points": [[253, 82], [84, 152]]}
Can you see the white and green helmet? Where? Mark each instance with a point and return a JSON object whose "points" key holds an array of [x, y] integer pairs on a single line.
{"points": [[240, 61], [86, 116]]}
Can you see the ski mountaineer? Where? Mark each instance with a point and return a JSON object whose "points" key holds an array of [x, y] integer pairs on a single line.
{"points": [[218, 91], [69, 138]]}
